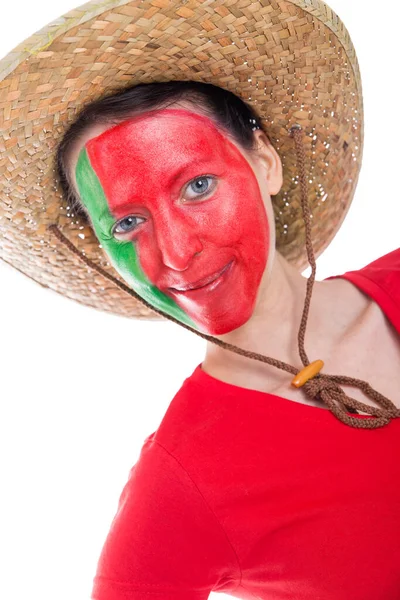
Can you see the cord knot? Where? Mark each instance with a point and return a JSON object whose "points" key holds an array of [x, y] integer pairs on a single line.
{"points": [[322, 388], [319, 387]]}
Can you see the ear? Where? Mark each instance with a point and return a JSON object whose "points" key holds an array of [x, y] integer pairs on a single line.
{"points": [[270, 162]]}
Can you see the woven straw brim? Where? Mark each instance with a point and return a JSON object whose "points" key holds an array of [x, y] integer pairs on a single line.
{"points": [[292, 60]]}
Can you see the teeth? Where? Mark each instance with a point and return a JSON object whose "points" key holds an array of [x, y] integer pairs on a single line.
{"points": [[213, 278], [207, 282]]}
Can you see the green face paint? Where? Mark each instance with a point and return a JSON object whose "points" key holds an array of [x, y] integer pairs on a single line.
{"points": [[122, 254], [199, 246]]}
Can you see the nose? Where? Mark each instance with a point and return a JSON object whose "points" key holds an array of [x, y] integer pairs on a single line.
{"points": [[177, 239]]}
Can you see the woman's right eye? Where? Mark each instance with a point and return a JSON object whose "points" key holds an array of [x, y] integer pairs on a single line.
{"points": [[126, 225]]}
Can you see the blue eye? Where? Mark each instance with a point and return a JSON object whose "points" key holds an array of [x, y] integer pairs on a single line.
{"points": [[125, 225], [200, 185]]}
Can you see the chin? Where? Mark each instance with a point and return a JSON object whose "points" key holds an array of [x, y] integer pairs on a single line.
{"points": [[223, 326]]}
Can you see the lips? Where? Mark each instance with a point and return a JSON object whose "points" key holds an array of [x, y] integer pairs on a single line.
{"points": [[201, 282]]}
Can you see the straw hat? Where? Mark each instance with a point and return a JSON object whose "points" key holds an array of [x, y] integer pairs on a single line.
{"points": [[293, 60]]}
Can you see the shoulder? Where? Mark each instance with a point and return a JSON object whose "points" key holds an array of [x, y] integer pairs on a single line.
{"points": [[163, 532], [380, 281]]}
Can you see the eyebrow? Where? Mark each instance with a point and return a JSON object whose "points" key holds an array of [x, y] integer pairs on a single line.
{"points": [[185, 167], [105, 214]]}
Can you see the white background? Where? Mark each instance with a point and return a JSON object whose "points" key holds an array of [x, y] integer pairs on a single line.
{"points": [[81, 390]]}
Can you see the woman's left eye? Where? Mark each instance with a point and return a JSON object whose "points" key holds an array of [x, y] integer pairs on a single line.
{"points": [[199, 186]]}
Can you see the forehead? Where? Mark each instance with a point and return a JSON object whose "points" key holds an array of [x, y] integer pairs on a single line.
{"points": [[161, 129], [178, 130], [160, 143]]}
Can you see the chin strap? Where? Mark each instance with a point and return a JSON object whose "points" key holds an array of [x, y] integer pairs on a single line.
{"points": [[316, 385]]}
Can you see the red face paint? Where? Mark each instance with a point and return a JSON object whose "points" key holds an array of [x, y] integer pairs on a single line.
{"points": [[145, 166]]}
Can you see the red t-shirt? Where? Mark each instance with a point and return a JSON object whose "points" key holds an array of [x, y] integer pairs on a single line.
{"points": [[253, 495]]}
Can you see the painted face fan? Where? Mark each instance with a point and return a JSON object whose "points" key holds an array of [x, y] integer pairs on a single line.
{"points": [[292, 62], [111, 44]]}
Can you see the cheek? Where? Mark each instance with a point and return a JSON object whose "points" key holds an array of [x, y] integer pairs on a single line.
{"points": [[149, 256], [239, 212]]}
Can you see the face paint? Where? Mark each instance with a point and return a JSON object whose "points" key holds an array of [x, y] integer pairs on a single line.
{"points": [[187, 204]]}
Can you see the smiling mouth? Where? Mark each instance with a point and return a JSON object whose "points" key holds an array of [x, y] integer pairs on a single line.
{"points": [[202, 282]]}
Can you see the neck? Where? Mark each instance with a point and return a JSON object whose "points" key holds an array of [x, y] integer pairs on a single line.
{"points": [[335, 309]]}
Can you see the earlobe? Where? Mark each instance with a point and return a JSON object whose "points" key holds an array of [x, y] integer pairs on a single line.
{"points": [[271, 162]]}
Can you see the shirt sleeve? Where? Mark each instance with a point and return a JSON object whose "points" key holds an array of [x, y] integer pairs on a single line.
{"points": [[380, 280], [165, 543]]}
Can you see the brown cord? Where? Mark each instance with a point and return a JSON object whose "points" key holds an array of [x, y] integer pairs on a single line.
{"points": [[323, 386]]}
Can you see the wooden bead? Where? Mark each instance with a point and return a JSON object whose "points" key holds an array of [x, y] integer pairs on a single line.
{"points": [[307, 373]]}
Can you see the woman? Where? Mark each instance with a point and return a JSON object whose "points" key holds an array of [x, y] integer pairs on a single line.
{"points": [[228, 220], [247, 487]]}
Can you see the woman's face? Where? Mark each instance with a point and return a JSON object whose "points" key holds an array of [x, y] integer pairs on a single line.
{"points": [[173, 202]]}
